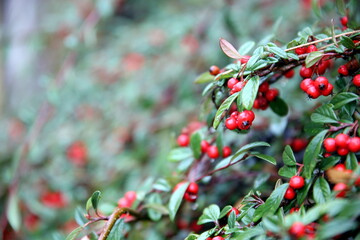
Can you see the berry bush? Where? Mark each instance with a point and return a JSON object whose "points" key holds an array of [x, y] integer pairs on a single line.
{"points": [[274, 154]]}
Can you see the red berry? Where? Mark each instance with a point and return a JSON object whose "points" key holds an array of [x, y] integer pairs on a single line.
{"points": [[294, 209], [124, 202], [290, 194], [238, 86], [271, 94], [213, 152], [54, 199], [77, 153], [340, 167], [260, 103], [214, 70], [341, 189], [354, 144], [311, 48], [296, 182], [218, 238], [183, 140], [305, 72], [230, 123], [313, 92], [226, 151], [301, 50], [306, 83], [298, 144], [204, 145], [289, 74], [244, 125], [330, 144], [343, 70], [245, 59], [193, 188], [234, 115], [231, 82], [342, 151], [321, 83], [297, 230], [190, 197], [326, 155], [328, 90], [264, 87], [322, 66], [356, 80], [357, 182], [246, 115], [131, 196], [344, 21], [342, 140], [233, 209]]}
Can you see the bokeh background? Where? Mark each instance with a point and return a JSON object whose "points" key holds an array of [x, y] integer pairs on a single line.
{"points": [[94, 93]]}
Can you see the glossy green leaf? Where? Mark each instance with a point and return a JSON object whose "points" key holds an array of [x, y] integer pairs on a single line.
{"points": [[246, 147], [79, 216], [246, 47], [321, 190], [311, 153], [302, 193], [74, 233], [287, 171], [154, 213], [343, 98], [195, 144], [95, 198], [117, 230], [265, 157], [13, 211], [324, 114], [347, 42], [249, 233], [204, 78], [313, 58], [231, 219], [278, 52], [288, 156], [351, 161], [175, 200], [261, 178], [179, 154], [224, 107], [162, 185], [210, 214], [249, 92], [88, 204], [336, 227], [279, 106], [225, 211]]}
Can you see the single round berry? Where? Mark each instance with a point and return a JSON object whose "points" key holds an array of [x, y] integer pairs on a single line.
{"points": [[130, 195], [322, 66], [264, 87], [344, 21], [356, 80], [306, 83], [340, 167], [311, 48], [231, 82], [298, 144], [354, 144], [124, 202], [342, 140], [290, 194], [245, 59], [218, 238], [261, 103], [301, 50], [305, 72], [330, 144], [297, 230], [233, 209], [190, 197], [294, 209], [340, 188], [231, 123], [234, 115], [271, 94], [313, 92], [246, 115], [226, 151], [193, 188], [296, 182], [342, 151], [321, 83], [204, 145], [289, 74], [183, 140], [214, 70], [238, 86], [328, 90], [244, 125], [213, 152], [343, 70]]}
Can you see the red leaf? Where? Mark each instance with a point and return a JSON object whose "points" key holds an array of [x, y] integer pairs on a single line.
{"points": [[229, 49]]}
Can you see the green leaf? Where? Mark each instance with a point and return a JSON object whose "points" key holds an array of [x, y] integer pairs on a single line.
{"points": [[249, 93], [261, 179], [195, 144], [88, 204], [272, 203], [343, 98], [232, 219], [117, 230], [95, 198], [179, 154], [210, 214], [74, 233], [254, 58], [302, 193], [225, 211], [279, 106], [154, 213], [175, 200], [229, 49], [223, 107], [347, 42], [209, 88], [329, 162], [265, 157], [311, 153], [246, 47], [278, 51], [226, 161], [287, 171], [313, 58], [336, 227], [293, 56], [219, 142], [13, 211], [351, 161], [225, 75], [288, 156], [162, 185], [324, 114], [79, 216], [321, 190], [249, 233], [246, 147], [204, 78], [340, 5]]}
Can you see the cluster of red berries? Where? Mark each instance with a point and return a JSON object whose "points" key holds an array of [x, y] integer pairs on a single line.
{"points": [[235, 85], [356, 80], [296, 182], [317, 87], [342, 188], [126, 202], [240, 120], [342, 144], [265, 96], [212, 150], [299, 230], [306, 49], [191, 192], [319, 68]]}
